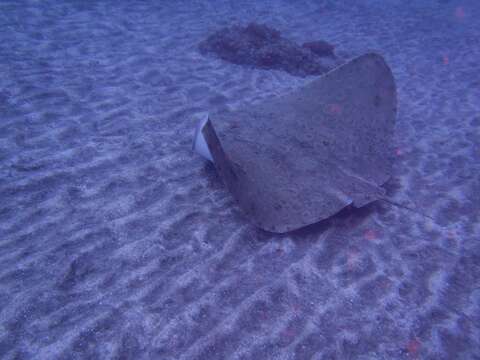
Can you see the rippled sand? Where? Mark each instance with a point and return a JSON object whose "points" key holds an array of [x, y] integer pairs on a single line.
{"points": [[116, 242]]}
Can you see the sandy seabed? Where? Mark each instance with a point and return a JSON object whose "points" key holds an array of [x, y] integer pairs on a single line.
{"points": [[116, 242]]}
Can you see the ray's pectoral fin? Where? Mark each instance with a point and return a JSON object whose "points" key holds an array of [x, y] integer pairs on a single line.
{"points": [[222, 163]]}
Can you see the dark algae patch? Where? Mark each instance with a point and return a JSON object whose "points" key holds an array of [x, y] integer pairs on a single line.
{"points": [[263, 47]]}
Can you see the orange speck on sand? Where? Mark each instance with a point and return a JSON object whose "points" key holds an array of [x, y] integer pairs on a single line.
{"points": [[413, 346], [296, 309], [451, 234], [352, 258], [460, 12], [334, 109], [288, 333], [371, 235]]}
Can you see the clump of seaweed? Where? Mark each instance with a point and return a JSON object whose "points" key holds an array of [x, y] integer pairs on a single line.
{"points": [[263, 47], [320, 48]]}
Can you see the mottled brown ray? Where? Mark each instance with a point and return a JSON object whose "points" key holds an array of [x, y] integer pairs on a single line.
{"points": [[294, 160]]}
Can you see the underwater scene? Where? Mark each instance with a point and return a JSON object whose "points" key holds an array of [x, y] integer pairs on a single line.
{"points": [[243, 179]]}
